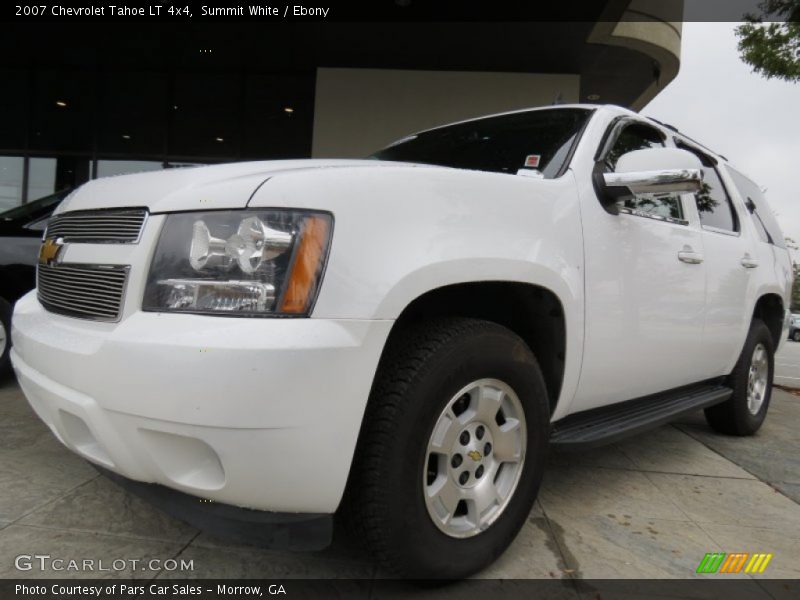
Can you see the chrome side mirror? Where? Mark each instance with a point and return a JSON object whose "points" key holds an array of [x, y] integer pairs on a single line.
{"points": [[653, 171], [656, 182]]}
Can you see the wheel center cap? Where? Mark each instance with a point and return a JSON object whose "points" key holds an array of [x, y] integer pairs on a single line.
{"points": [[470, 457]]}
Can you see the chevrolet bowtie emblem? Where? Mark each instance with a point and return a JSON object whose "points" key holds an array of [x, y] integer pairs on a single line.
{"points": [[48, 253]]}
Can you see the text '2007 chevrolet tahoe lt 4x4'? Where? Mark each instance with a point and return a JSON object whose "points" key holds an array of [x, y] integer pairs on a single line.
{"points": [[400, 339]]}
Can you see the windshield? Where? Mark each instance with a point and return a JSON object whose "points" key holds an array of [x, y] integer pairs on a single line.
{"points": [[34, 209], [537, 140]]}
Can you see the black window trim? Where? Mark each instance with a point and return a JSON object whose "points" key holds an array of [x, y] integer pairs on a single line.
{"points": [[682, 144], [615, 128], [754, 211], [565, 166]]}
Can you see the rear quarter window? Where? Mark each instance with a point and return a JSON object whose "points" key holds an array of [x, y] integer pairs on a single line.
{"points": [[759, 210]]}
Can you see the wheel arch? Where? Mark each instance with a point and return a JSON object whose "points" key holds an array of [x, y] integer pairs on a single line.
{"points": [[532, 311], [769, 309]]}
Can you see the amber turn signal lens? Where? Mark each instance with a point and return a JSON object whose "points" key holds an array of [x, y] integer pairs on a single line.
{"points": [[307, 267]]}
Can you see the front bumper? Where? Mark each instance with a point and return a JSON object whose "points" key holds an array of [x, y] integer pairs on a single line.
{"points": [[256, 413]]}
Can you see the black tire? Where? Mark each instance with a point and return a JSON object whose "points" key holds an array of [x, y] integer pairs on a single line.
{"points": [[5, 319], [421, 370], [733, 417], [796, 335]]}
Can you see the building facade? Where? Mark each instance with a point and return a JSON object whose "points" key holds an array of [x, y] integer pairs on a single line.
{"points": [[93, 100]]}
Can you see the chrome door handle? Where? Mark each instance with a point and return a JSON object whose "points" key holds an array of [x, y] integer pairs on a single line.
{"points": [[690, 257], [748, 262]]}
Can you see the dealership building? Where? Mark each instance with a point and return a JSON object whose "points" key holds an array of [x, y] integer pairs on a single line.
{"points": [[98, 99]]}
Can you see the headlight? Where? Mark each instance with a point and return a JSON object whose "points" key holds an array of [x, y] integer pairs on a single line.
{"points": [[245, 262]]}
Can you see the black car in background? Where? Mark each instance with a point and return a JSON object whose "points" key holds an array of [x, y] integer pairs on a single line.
{"points": [[21, 230]]}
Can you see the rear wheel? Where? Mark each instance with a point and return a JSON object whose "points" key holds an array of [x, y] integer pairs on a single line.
{"points": [[751, 381], [796, 335], [5, 337], [452, 449]]}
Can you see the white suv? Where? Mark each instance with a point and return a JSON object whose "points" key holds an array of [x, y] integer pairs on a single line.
{"points": [[401, 339]]}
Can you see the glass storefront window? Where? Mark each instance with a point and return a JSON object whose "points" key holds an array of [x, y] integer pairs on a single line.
{"points": [[13, 108], [108, 168], [62, 111], [72, 171], [133, 113], [11, 170], [278, 112], [41, 177], [206, 115], [59, 122]]}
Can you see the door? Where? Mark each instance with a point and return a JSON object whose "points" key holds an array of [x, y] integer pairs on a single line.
{"points": [[645, 288], [731, 260]]}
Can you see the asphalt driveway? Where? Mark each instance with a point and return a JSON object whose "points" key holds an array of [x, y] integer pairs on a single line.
{"points": [[650, 507]]}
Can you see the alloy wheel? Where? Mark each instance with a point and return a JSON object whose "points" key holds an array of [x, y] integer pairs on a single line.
{"points": [[474, 458], [757, 379]]}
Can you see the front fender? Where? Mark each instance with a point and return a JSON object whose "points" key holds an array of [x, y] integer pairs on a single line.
{"points": [[471, 270], [403, 231]]}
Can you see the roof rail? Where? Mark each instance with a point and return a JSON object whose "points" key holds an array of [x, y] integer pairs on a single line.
{"points": [[693, 141], [667, 125]]}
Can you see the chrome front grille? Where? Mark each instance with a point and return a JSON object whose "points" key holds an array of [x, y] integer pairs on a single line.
{"points": [[84, 291], [115, 226]]}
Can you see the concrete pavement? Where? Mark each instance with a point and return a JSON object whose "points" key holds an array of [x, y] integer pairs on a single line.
{"points": [[650, 507]]}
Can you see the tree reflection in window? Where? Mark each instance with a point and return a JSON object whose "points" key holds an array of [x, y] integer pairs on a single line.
{"points": [[638, 136], [705, 201], [660, 205], [712, 200]]}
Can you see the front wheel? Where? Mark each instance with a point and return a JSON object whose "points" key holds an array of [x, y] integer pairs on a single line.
{"points": [[796, 335], [751, 380], [452, 448]]}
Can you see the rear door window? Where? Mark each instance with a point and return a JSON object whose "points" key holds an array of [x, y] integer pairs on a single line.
{"points": [[713, 203]]}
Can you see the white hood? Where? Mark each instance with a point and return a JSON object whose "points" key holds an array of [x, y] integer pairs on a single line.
{"points": [[192, 188]]}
